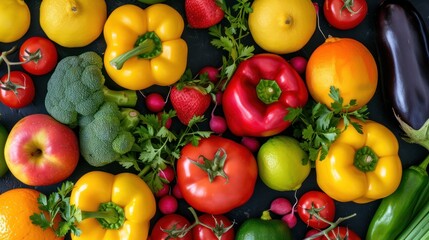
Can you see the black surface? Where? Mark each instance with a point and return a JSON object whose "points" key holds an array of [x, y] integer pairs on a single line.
{"points": [[201, 53]]}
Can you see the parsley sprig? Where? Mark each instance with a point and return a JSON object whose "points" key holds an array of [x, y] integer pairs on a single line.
{"points": [[230, 38], [157, 146], [58, 204], [317, 124]]}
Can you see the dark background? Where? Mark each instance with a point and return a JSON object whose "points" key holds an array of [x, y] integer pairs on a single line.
{"points": [[201, 53]]}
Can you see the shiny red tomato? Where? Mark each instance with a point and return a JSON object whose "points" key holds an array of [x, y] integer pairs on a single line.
{"points": [[313, 202], [43, 53], [232, 181], [221, 228], [19, 91], [339, 232], [171, 223], [345, 14]]}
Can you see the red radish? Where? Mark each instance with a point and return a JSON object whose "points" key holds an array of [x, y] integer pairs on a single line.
{"points": [[163, 191], [176, 192], [218, 99], [212, 73], [167, 173], [167, 123], [281, 206], [251, 143], [217, 123], [155, 102], [168, 204], [299, 64], [290, 219], [316, 6]]}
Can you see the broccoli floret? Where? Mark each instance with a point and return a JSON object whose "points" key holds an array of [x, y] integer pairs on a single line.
{"points": [[76, 88], [103, 137]]}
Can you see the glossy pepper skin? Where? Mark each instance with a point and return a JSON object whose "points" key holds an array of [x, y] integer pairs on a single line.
{"points": [[258, 96], [127, 191], [361, 167], [144, 46]]}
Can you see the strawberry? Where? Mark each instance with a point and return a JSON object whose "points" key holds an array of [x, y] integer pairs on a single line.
{"points": [[203, 13], [189, 101]]}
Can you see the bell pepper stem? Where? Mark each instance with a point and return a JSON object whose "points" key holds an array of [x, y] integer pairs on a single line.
{"points": [[365, 159], [147, 46], [268, 91], [109, 215]]}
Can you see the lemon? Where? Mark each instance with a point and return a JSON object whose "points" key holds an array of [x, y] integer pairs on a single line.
{"points": [[73, 23], [280, 163], [282, 26]]}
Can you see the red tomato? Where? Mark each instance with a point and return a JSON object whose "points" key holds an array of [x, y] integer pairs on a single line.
{"points": [[222, 228], [339, 233], [345, 14], [170, 222], [223, 193], [45, 51], [316, 201], [19, 91]]}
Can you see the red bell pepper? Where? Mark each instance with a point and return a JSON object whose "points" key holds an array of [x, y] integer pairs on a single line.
{"points": [[257, 98]]}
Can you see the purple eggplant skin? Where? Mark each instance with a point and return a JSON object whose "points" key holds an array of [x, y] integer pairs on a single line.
{"points": [[403, 53]]}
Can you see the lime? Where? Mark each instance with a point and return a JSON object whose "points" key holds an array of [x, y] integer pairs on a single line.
{"points": [[3, 137], [280, 163]]}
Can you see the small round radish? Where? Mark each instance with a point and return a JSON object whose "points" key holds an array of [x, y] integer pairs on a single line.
{"points": [[176, 192], [212, 73], [251, 143], [155, 102], [299, 64], [218, 124], [168, 204], [281, 206], [163, 191], [167, 173], [290, 220], [316, 6]]}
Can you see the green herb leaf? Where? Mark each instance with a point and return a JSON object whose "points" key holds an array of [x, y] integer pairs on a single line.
{"points": [[316, 124]]}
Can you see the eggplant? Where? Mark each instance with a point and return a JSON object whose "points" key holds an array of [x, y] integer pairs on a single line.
{"points": [[403, 53]]}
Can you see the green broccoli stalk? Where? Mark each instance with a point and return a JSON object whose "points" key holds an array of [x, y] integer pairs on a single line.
{"points": [[76, 88], [105, 136]]}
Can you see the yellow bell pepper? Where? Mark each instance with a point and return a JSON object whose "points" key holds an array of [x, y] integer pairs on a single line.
{"points": [[124, 203], [361, 167], [144, 46]]}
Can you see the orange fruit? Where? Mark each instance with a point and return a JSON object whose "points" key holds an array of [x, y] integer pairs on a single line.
{"points": [[346, 64], [16, 207]]}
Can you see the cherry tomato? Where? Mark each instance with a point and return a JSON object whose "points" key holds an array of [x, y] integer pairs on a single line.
{"points": [[45, 53], [316, 201], [228, 183], [170, 222], [345, 14], [19, 90], [222, 228], [339, 232]]}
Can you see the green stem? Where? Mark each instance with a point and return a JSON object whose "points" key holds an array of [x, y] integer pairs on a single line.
{"points": [[147, 46], [365, 159], [109, 215], [122, 98], [268, 91], [214, 167]]}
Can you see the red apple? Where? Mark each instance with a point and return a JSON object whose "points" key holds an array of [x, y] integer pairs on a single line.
{"points": [[41, 151]]}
